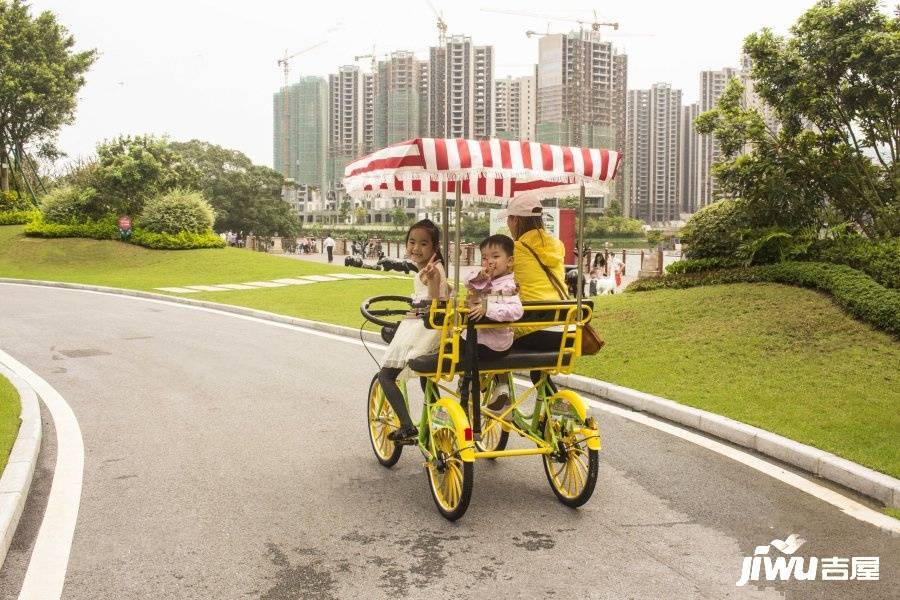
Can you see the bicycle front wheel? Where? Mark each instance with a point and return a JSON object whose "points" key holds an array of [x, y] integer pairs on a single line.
{"points": [[449, 477], [572, 468], [382, 421]]}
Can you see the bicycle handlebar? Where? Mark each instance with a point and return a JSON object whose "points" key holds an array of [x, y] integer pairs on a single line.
{"points": [[372, 315]]}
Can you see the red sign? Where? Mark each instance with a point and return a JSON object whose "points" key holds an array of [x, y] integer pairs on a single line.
{"points": [[124, 222]]}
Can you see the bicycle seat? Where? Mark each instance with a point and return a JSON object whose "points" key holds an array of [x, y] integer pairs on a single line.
{"points": [[514, 361]]}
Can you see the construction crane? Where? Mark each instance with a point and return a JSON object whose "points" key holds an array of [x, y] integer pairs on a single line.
{"points": [[595, 25], [374, 56], [441, 25], [284, 62]]}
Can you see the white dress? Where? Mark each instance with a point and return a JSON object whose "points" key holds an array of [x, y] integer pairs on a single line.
{"points": [[413, 339]]}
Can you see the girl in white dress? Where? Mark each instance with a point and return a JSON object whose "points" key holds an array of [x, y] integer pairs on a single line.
{"points": [[412, 339]]}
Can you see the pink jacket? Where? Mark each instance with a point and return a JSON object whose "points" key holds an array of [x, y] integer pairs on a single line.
{"points": [[503, 304]]}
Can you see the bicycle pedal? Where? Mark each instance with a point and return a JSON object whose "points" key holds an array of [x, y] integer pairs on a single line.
{"points": [[407, 442]]}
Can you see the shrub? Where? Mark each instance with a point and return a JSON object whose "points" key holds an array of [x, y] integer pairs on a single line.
{"points": [[715, 231], [852, 290], [698, 265], [184, 240], [104, 229], [12, 201], [68, 204], [176, 211], [878, 259], [17, 217]]}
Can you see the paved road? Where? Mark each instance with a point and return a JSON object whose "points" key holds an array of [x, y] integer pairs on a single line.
{"points": [[226, 458]]}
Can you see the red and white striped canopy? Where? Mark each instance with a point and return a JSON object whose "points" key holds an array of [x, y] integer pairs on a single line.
{"points": [[486, 170]]}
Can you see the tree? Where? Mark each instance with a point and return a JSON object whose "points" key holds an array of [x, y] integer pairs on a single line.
{"points": [[360, 214], [344, 211], [399, 217], [40, 77], [777, 178], [614, 209], [131, 170], [834, 85], [230, 181]]}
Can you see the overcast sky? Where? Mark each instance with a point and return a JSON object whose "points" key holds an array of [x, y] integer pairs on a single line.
{"points": [[207, 69]]}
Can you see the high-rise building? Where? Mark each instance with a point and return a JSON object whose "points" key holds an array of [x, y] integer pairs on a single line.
{"points": [[619, 109], [306, 105], [712, 84], [424, 82], [575, 95], [652, 160], [515, 108], [351, 118], [398, 99], [752, 100], [483, 93], [461, 77], [688, 143]]}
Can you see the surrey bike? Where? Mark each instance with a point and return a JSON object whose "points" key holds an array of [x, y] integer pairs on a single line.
{"points": [[455, 430]]}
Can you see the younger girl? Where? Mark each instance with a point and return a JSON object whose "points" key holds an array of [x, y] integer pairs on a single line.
{"points": [[412, 339]]}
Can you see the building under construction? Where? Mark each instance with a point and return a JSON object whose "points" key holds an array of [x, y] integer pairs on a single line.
{"points": [[305, 112], [581, 92], [461, 82]]}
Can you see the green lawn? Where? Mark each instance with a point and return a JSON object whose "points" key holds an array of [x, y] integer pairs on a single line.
{"points": [[9, 419], [124, 265], [782, 358]]}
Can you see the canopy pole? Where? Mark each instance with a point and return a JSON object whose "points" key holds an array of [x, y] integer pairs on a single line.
{"points": [[580, 245], [456, 250], [445, 223]]}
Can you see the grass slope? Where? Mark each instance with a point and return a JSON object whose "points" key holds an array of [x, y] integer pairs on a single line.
{"points": [[10, 408], [782, 358]]}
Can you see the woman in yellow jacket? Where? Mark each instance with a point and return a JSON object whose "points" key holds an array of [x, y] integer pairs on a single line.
{"points": [[534, 246]]}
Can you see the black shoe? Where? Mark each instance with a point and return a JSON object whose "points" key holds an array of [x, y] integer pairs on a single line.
{"points": [[404, 435], [499, 404]]}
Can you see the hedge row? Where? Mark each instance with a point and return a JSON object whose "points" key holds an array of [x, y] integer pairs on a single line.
{"points": [[880, 259], [854, 291], [184, 240], [698, 265], [17, 217], [107, 229]]}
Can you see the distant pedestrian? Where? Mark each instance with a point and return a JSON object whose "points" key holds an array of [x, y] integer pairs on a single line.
{"points": [[617, 268], [329, 247]]}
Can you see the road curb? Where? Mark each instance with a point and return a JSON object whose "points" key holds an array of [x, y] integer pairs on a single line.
{"points": [[873, 484], [868, 482], [16, 480]]}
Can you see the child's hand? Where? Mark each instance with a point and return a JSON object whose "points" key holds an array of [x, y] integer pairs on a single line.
{"points": [[476, 311], [429, 271], [487, 271]]}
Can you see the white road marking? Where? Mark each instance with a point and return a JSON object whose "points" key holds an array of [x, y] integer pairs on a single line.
{"points": [[846, 505], [317, 278], [50, 558], [237, 286], [177, 290], [292, 281], [206, 288], [265, 284]]}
